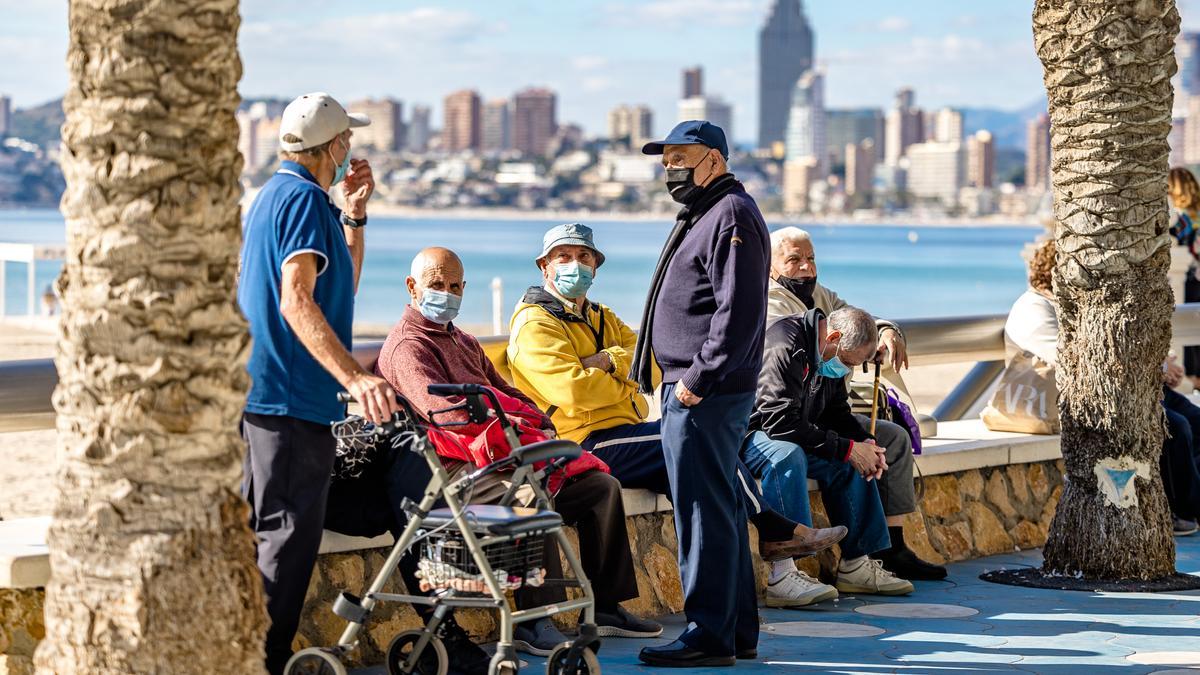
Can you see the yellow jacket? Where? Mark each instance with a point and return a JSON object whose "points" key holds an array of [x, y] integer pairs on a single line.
{"points": [[547, 341]]}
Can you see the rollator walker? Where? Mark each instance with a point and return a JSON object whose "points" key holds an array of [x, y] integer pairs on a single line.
{"points": [[470, 555]]}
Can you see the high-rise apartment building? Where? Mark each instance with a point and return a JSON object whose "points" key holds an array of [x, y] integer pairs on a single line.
{"points": [[630, 125], [947, 126], [936, 170], [981, 159], [709, 108], [418, 132], [462, 121], [860, 167], [1037, 153], [386, 131], [851, 127], [534, 120], [496, 131], [806, 123], [905, 126], [785, 52], [693, 82]]}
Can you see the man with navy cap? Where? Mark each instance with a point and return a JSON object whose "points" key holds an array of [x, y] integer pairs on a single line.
{"points": [[299, 271], [704, 326]]}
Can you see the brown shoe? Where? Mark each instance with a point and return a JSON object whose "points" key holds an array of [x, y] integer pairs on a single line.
{"points": [[806, 541]]}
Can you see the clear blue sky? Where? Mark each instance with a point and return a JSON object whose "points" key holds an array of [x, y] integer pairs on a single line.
{"points": [[595, 53]]}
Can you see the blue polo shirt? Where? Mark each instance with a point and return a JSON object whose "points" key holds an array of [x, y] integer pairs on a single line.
{"points": [[290, 216]]}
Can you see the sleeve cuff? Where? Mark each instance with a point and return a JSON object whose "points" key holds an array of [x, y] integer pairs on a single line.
{"points": [[694, 382], [849, 446]]}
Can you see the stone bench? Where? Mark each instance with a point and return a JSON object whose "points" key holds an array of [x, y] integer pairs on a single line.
{"points": [[983, 493]]}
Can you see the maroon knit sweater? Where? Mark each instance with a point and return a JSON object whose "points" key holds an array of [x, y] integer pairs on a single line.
{"points": [[419, 352]]}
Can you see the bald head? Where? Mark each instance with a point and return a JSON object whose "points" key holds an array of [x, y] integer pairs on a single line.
{"points": [[435, 268]]}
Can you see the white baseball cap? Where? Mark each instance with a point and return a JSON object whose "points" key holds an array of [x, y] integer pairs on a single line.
{"points": [[315, 119]]}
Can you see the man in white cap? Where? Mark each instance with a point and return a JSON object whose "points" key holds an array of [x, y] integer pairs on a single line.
{"points": [[300, 266]]}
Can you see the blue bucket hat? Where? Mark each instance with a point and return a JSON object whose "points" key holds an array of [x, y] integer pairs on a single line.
{"points": [[692, 132], [571, 234]]}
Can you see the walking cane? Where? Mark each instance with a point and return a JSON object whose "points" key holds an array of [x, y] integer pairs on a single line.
{"points": [[875, 399]]}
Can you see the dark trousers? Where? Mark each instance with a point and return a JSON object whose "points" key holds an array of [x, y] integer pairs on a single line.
{"points": [[634, 454], [285, 480], [1191, 293], [1180, 461], [701, 446]]}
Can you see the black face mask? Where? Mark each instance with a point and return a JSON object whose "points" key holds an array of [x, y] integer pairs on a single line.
{"points": [[801, 288], [682, 185]]}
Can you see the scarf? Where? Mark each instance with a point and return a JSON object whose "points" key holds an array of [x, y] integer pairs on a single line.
{"points": [[643, 354]]}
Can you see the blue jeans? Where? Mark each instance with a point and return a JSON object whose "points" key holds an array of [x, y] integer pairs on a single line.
{"points": [[1180, 460], [701, 445], [785, 468]]}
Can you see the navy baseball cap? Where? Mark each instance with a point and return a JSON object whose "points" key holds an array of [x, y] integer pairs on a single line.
{"points": [[691, 132]]}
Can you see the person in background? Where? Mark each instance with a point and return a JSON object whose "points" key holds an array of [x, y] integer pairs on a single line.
{"points": [[572, 357], [1185, 209], [425, 347], [802, 426], [300, 264], [793, 290], [1032, 326]]}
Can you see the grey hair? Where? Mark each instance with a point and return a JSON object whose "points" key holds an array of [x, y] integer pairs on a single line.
{"points": [[790, 233], [857, 328], [314, 151]]}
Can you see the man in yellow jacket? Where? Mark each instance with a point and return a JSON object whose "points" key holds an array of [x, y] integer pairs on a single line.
{"points": [[573, 357]]}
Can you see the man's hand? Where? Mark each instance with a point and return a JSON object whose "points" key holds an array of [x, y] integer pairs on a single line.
{"points": [[599, 360], [868, 460], [1172, 372], [357, 188], [685, 396], [891, 343], [376, 397]]}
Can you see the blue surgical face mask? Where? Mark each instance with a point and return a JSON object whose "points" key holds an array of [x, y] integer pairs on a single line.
{"points": [[340, 173], [572, 280], [439, 306], [833, 369]]}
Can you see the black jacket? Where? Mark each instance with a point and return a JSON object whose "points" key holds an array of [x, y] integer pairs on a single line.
{"points": [[793, 402]]}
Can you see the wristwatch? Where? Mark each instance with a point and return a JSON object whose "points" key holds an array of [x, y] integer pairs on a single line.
{"points": [[353, 222]]}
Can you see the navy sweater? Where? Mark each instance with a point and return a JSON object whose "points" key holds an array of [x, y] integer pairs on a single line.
{"points": [[709, 322]]}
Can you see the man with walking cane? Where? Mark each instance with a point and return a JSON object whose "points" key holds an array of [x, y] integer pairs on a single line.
{"points": [[704, 325]]}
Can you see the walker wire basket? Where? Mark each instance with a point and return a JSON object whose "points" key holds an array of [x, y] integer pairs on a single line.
{"points": [[446, 563]]}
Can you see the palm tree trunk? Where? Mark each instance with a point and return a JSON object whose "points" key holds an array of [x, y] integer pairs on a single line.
{"points": [[152, 558], [1108, 65]]}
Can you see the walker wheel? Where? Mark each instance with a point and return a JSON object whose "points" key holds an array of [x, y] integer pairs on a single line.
{"points": [[433, 660], [314, 661], [502, 666], [556, 663]]}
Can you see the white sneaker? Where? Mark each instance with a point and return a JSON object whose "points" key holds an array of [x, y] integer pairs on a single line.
{"points": [[797, 589], [870, 578]]}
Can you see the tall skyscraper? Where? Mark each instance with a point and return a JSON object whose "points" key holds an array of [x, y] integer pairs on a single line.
{"points": [[947, 126], [860, 167], [1037, 153], [631, 125], [981, 160], [847, 127], [709, 108], [1187, 77], [386, 131], [534, 121], [693, 82], [497, 126], [785, 52], [462, 120], [806, 123], [417, 136], [905, 126], [266, 141], [936, 170], [5, 116]]}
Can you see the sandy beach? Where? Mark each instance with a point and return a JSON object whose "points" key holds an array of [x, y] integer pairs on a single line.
{"points": [[27, 457]]}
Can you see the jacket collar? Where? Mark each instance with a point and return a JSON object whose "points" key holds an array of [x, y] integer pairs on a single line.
{"points": [[812, 324], [538, 295]]}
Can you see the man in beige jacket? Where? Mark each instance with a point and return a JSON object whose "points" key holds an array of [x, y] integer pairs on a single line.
{"points": [[793, 289]]}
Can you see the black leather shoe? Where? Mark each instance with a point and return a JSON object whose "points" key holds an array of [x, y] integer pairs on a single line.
{"points": [[747, 654], [906, 565], [679, 655]]}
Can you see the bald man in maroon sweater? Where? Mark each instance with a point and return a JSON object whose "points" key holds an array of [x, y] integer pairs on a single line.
{"points": [[424, 348]]}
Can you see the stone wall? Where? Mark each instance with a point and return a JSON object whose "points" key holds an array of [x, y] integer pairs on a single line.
{"points": [[21, 629], [965, 515]]}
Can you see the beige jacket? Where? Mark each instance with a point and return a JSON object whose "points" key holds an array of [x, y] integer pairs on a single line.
{"points": [[781, 302]]}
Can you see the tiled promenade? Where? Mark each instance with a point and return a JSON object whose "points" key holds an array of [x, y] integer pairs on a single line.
{"points": [[969, 626]]}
